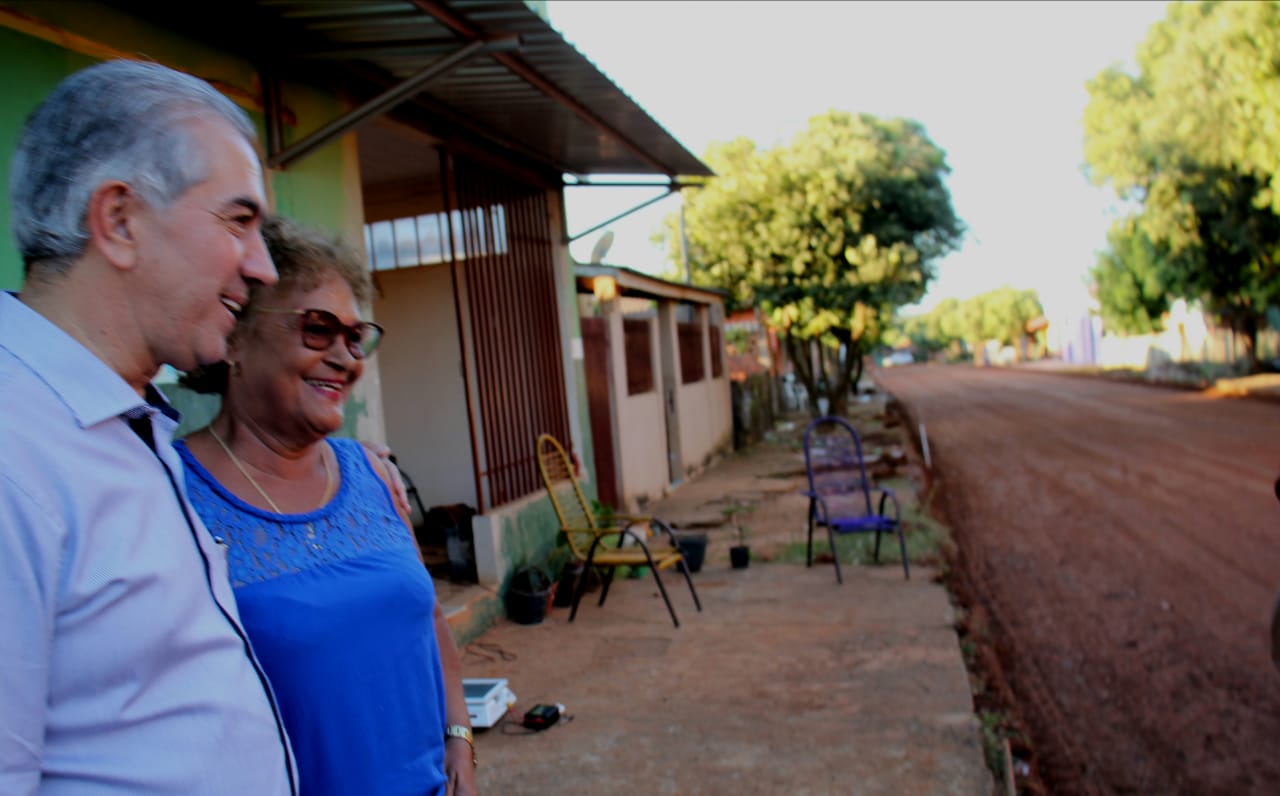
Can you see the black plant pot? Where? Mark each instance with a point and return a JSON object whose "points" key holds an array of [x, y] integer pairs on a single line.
{"points": [[528, 595], [693, 546], [740, 556]]}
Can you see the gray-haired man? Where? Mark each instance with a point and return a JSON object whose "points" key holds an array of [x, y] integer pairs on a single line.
{"points": [[136, 197]]}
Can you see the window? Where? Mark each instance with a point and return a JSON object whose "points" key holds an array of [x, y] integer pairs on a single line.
{"points": [[424, 240], [691, 363], [638, 340]]}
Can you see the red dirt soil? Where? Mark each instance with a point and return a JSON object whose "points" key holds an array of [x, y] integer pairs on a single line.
{"points": [[1124, 543]]}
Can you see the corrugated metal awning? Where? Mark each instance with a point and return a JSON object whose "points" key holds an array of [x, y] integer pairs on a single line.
{"points": [[543, 100], [635, 283]]}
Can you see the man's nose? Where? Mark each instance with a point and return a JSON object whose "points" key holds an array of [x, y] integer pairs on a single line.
{"points": [[257, 265]]}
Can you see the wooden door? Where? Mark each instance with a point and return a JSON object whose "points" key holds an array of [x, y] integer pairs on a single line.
{"points": [[595, 354]]}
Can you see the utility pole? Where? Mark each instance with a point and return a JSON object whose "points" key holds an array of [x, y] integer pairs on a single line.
{"points": [[684, 246]]}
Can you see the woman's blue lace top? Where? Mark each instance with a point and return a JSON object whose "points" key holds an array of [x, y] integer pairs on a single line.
{"points": [[340, 613]]}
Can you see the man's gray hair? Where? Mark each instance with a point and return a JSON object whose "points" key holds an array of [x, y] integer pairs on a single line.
{"points": [[118, 120]]}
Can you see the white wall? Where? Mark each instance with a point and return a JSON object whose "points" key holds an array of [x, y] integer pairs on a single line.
{"points": [[1187, 337], [424, 399], [641, 430], [706, 409], [706, 420]]}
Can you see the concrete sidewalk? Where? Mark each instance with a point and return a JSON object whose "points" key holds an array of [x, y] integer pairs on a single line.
{"points": [[785, 683]]}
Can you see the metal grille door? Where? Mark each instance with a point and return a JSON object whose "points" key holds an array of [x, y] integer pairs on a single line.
{"points": [[509, 266]]}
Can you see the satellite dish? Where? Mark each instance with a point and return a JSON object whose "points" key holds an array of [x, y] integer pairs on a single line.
{"points": [[602, 247]]}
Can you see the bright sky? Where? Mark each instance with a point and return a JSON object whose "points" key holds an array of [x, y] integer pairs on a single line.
{"points": [[999, 86]]}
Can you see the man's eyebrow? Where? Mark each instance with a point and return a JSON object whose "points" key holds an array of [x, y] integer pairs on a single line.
{"points": [[245, 202]]}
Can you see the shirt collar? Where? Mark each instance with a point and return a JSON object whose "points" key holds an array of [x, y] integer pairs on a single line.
{"points": [[89, 388]]}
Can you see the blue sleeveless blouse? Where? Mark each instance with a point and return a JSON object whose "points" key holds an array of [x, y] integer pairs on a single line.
{"points": [[340, 612]]}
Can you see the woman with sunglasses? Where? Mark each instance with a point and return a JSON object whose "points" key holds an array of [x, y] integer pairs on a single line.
{"points": [[340, 610]]}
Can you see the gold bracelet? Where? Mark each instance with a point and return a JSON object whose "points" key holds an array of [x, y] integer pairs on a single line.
{"points": [[459, 731]]}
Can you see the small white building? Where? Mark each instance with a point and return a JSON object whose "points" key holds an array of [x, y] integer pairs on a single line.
{"points": [[657, 383]]}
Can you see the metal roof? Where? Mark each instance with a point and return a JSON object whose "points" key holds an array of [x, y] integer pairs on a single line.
{"points": [[544, 100], [636, 283]]}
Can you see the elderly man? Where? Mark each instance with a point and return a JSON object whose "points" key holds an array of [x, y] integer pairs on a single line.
{"points": [[136, 199]]}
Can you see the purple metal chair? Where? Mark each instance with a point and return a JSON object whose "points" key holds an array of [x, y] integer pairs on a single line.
{"points": [[840, 493]]}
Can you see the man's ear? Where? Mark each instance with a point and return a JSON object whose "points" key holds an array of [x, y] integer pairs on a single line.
{"points": [[112, 218]]}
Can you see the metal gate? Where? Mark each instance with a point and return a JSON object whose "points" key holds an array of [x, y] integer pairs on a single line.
{"points": [[509, 267]]}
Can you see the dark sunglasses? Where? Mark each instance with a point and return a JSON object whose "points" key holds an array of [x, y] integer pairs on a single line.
{"points": [[320, 328]]}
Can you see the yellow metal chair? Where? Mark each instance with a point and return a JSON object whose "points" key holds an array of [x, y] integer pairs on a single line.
{"points": [[587, 536]]}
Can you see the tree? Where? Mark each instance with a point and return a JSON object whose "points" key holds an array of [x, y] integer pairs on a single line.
{"points": [[1193, 143], [828, 235], [1131, 278], [999, 315]]}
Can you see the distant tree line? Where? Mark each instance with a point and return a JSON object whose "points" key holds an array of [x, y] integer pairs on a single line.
{"points": [[958, 328]]}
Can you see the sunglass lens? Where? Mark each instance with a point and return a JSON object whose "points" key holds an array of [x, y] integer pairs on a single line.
{"points": [[318, 329], [365, 337]]}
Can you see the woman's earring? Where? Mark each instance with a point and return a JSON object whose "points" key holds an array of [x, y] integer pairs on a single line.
{"points": [[235, 367]]}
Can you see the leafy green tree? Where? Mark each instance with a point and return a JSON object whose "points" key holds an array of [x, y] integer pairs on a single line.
{"points": [[915, 331], [1000, 315], [1130, 277], [1193, 143], [828, 235], [945, 325]]}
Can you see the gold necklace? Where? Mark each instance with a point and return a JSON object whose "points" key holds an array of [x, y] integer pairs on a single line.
{"points": [[324, 462]]}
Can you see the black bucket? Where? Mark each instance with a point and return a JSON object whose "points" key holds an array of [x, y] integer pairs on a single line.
{"points": [[527, 595], [693, 546]]}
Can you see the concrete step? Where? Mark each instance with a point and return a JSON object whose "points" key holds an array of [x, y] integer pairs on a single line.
{"points": [[470, 609]]}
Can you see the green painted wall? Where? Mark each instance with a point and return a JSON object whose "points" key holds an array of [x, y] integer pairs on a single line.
{"points": [[322, 189], [41, 66], [584, 423], [529, 536]]}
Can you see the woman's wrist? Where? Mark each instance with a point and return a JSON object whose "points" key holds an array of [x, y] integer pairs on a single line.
{"points": [[462, 732]]}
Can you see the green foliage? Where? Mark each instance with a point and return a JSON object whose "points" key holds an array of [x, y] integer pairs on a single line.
{"points": [[1131, 281], [603, 513], [738, 339], [731, 515], [557, 558], [1001, 315], [827, 235], [996, 727], [1192, 142]]}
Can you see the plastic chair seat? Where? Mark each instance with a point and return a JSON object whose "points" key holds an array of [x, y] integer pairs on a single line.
{"points": [[856, 524]]}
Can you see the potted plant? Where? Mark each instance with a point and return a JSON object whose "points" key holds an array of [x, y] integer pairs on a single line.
{"points": [[566, 569], [606, 517], [693, 546], [602, 512], [529, 594], [739, 554]]}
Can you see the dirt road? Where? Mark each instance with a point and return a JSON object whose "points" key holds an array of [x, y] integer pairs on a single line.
{"points": [[1126, 541]]}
